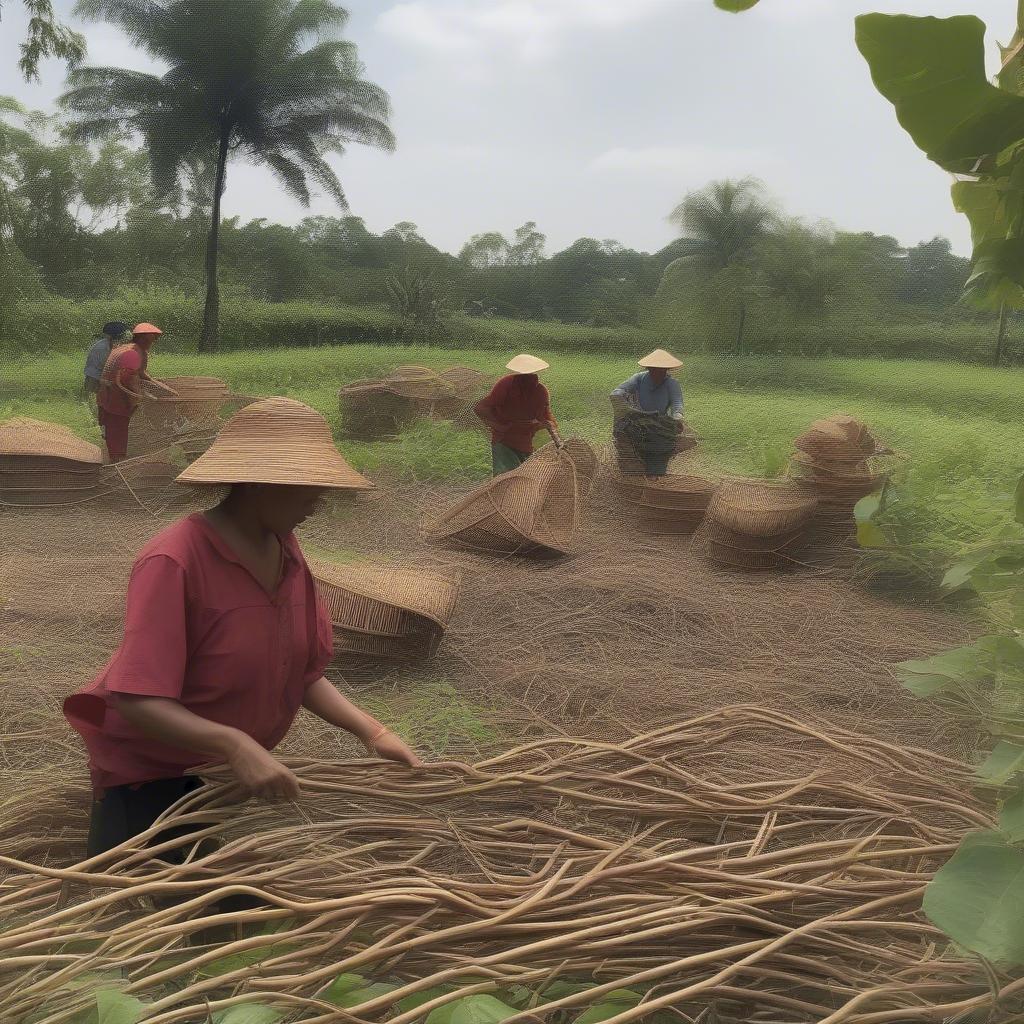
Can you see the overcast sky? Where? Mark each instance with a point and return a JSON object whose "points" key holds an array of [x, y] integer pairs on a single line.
{"points": [[595, 117]]}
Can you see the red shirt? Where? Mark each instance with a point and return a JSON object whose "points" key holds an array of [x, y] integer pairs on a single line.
{"points": [[514, 401], [200, 629], [124, 362]]}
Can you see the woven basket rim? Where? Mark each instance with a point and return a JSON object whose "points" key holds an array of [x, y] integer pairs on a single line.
{"points": [[357, 578]]}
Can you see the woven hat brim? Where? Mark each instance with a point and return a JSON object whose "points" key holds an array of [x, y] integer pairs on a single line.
{"points": [[660, 361], [230, 464], [527, 364]]}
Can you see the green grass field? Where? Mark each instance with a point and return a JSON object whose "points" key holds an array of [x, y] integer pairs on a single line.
{"points": [[958, 429]]}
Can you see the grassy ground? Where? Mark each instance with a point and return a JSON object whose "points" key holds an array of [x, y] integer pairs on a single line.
{"points": [[958, 428]]}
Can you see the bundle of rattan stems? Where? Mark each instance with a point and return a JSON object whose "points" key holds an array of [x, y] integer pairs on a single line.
{"points": [[674, 864]]}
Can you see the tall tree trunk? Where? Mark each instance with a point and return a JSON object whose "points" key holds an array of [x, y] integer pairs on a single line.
{"points": [[741, 324], [211, 311], [1002, 334]]}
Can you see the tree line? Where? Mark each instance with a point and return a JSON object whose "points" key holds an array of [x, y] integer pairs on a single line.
{"points": [[122, 190]]}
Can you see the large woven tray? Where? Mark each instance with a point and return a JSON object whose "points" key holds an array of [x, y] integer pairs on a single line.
{"points": [[382, 611], [534, 510], [837, 437], [48, 445]]}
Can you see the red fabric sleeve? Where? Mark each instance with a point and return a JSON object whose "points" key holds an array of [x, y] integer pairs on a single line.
{"points": [[151, 661], [548, 415], [495, 398], [321, 634]]}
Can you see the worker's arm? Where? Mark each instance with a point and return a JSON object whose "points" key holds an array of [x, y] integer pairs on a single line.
{"points": [[676, 412], [485, 411], [623, 398], [126, 381], [324, 701], [550, 424], [158, 384], [172, 723]]}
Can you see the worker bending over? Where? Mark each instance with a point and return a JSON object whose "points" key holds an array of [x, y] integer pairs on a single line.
{"points": [[648, 411], [517, 407]]}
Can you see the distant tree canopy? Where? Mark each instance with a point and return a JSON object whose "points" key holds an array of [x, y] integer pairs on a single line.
{"points": [[84, 220], [46, 37]]}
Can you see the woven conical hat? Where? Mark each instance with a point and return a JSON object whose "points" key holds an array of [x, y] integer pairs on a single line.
{"points": [[275, 441], [659, 359], [526, 364]]}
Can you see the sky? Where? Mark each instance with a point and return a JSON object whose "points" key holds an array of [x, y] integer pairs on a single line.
{"points": [[595, 117]]}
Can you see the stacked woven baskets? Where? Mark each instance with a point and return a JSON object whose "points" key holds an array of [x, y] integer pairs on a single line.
{"points": [[833, 459], [46, 464], [189, 421], [533, 510], [380, 408], [756, 524], [668, 505], [380, 611]]}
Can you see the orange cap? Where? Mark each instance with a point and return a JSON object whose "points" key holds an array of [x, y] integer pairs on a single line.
{"points": [[146, 329]]}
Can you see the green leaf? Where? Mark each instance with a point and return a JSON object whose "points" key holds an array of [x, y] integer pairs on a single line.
{"points": [[1018, 501], [867, 508], [933, 72], [960, 665], [611, 1006], [247, 958], [249, 1013], [355, 996], [478, 1009], [1011, 816], [1005, 761], [418, 999], [871, 536], [977, 898], [735, 6], [113, 1007]]}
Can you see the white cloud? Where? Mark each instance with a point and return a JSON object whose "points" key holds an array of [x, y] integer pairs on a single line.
{"points": [[529, 28], [683, 162]]}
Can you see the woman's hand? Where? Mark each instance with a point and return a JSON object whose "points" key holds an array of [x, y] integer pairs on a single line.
{"points": [[260, 773], [390, 747]]}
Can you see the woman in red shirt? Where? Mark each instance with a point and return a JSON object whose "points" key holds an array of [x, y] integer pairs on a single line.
{"points": [[120, 390], [517, 407], [225, 638]]}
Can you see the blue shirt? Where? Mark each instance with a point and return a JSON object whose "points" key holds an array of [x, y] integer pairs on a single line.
{"points": [[97, 358], [642, 392]]}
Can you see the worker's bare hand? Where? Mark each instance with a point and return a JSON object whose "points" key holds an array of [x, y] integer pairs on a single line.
{"points": [[261, 774], [392, 748]]}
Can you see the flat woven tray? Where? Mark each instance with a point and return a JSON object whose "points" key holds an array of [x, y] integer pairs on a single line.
{"points": [[38, 440]]}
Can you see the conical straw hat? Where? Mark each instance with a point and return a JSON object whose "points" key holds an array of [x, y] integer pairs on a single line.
{"points": [[275, 441], [659, 359], [526, 364]]}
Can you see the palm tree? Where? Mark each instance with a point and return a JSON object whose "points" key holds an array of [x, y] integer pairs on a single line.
{"points": [[267, 79], [723, 225]]}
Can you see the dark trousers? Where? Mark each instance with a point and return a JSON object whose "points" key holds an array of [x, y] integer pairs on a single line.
{"points": [[125, 811]]}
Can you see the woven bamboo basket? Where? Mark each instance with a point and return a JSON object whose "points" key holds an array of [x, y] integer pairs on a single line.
{"points": [[664, 521], [534, 510], [147, 475], [687, 492], [855, 482], [48, 444], [629, 488], [744, 551], [837, 437], [762, 508], [370, 410], [46, 464], [468, 386], [381, 611]]}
